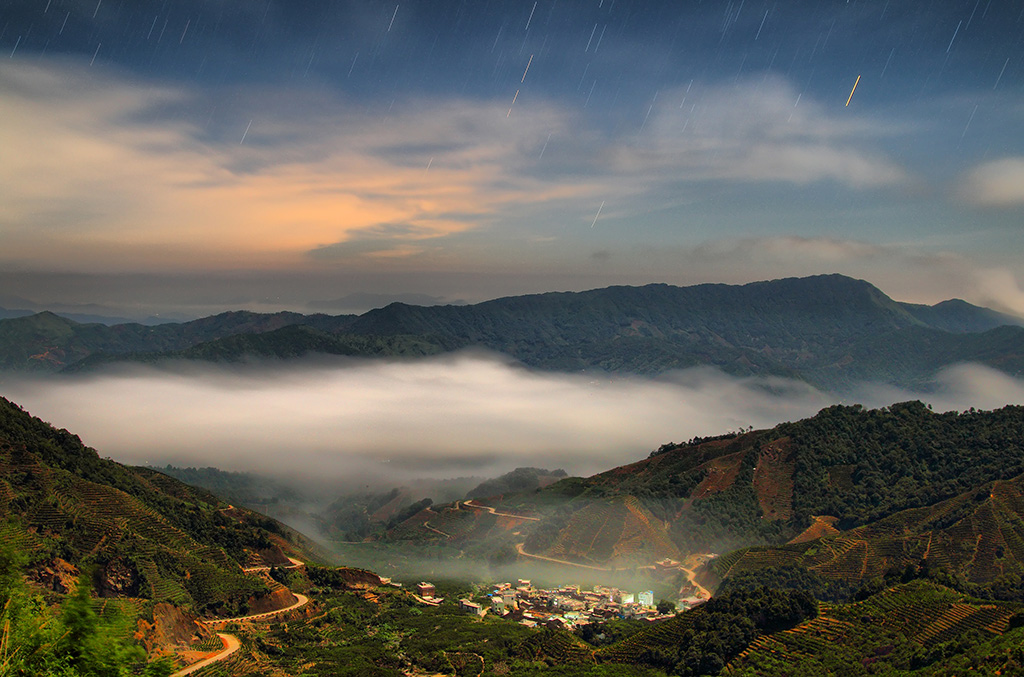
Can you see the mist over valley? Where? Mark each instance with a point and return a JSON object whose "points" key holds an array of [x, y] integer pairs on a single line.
{"points": [[334, 422]]}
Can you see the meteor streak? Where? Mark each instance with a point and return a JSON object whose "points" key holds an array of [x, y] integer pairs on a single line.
{"points": [[514, 100], [853, 90], [598, 214], [527, 69]]}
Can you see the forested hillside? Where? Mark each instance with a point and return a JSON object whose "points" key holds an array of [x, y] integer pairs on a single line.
{"points": [[843, 469], [829, 330], [143, 534], [894, 546]]}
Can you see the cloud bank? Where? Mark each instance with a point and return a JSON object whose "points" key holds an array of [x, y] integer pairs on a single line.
{"points": [[103, 172], [342, 422]]}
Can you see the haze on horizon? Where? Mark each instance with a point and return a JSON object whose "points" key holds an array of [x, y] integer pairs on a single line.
{"points": [[191, 157]]}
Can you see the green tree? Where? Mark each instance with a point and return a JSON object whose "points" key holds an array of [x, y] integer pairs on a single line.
{"points": [[70, 642]]}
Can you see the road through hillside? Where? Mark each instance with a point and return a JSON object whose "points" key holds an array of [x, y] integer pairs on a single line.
{"points": [[302, 600], [491, 510], [231, 645], [692, 577], [519, 549]]}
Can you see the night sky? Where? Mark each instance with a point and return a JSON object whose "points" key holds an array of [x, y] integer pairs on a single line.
{"points": [[184, 157]]}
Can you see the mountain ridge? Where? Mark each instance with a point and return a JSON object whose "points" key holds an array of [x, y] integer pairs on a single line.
{"points": [[829, 330], [752, 488]]}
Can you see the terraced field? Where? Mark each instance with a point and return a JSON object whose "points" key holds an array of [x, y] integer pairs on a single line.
{"points": [[145, 534], [721, 473], [667, 634], [449, 523], [773, 480], [776, 654], [916, 614], [615, 531], [564, 647], [591, 534], [979, 535]]}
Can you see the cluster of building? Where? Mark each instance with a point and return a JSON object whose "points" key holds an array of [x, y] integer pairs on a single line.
{"points": [[567, 606]]}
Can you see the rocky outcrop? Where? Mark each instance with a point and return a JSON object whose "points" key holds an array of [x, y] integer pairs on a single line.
{"points": [[278, 599], [171, 626], [118, 579], [56, 575]]}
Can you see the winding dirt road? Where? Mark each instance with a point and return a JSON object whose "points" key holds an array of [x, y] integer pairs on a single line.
{"points": [[303, 600], [519, 549], [295, 564], [692, 577], [491, 510], [231, 645]]}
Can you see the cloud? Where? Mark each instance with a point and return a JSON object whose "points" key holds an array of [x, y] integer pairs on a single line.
{"points": [[331, 420], [999, 287], [384, 240], [102, 173], [760, 131], [956, 388], [790, 248], [999, 183]]}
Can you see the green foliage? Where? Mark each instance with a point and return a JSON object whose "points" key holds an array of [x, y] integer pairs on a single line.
{"points": [[610, 632], [238, 488], [899, 457], [165, 540], [666, 607], [390, 634], [409, 511], [790, 577], [916, 627], [702, 641], [72, 641], [517, 481]]}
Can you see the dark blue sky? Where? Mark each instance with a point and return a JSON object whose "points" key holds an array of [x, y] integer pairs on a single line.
{"points": [[630, 49], [274, 154]]}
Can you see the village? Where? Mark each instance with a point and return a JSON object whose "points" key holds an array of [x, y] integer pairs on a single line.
{"points": [[569, 606]]}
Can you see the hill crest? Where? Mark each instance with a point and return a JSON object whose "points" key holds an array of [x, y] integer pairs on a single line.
{"points": [[829, 330]]}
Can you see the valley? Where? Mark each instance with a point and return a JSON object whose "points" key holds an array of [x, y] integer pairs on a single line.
{"points": [[439, 338], [888, 538], [815, 590]]}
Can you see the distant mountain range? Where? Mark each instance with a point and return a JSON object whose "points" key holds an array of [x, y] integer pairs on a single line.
{"points": [[828, 330], [84, 317]]}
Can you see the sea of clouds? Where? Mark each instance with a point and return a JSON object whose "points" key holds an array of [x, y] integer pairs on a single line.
{"points": [[347, 422]]}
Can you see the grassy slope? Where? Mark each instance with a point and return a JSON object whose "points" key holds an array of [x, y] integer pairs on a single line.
{"points": [[160, 539]]}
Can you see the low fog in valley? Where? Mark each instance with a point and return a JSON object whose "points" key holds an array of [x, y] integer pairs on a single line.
{"points": [[337, 424]]}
